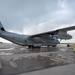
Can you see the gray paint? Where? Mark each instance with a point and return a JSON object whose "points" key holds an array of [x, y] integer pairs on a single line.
{"points": [[47, 38]]}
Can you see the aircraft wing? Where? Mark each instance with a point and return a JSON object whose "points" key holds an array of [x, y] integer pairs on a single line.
{"points": [[55, 32]]}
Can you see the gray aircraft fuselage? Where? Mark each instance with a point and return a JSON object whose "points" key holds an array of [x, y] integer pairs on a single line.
{"points": [[48, 38], [24, 40]]}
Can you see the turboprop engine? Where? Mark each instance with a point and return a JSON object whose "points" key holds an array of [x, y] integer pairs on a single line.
{"points": [[63, 35]]}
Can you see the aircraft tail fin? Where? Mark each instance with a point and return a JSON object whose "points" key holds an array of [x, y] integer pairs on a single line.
{"points": [[1, 27]]}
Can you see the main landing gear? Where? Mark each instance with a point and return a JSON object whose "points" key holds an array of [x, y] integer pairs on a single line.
{"points": [[52, 46], [34, 47]]}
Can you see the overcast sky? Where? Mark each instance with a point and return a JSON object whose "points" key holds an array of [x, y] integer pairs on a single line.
{"points": [[36, 16]]}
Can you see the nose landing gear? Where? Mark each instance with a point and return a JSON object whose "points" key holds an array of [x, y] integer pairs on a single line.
{"points": [[68, 45]]}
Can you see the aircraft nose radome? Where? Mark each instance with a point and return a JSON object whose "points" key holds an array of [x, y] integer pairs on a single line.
{"points": [[70, 36], [57, 41]]}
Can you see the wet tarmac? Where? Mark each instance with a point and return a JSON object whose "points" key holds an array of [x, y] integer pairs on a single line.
{"points": [[15, 59]]}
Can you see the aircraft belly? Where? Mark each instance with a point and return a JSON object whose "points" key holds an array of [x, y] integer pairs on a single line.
{"points": [[43, 42]]}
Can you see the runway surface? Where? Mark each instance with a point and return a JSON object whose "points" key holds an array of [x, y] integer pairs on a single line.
{"points": [[15, 59]]}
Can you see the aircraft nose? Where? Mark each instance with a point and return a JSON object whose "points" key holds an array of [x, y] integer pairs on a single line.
{"points": [[57, 41], [70, 37]]}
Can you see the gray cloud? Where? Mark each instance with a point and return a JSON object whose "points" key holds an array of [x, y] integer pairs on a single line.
{"points": [[33, 16], [22, 13]]}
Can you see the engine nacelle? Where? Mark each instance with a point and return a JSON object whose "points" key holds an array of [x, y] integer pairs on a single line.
{"points": [[63, 36]]}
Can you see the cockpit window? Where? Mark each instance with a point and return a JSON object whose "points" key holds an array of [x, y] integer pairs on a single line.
{"points": [[54, 38]]}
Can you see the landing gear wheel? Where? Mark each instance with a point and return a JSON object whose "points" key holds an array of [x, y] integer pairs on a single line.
{"points": [[54, 46], [34, 46]]}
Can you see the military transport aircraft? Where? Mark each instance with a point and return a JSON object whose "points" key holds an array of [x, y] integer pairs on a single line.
{"points": [[47, 38]]}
